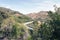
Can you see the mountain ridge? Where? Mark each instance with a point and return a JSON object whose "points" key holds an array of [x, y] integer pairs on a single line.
{"points": [[39, 15]]}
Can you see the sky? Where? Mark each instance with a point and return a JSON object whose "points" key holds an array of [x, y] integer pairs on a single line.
{"points": [[29, 6]]}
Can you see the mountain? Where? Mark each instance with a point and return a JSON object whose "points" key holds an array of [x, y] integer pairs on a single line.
{"points": [[39, 15], [5, 12], [12, 24]]}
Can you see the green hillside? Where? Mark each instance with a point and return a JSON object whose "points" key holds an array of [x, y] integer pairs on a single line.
{"points": [[11, 24]]}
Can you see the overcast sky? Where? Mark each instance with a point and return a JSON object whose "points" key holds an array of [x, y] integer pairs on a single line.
{"points": [[28, 6]]}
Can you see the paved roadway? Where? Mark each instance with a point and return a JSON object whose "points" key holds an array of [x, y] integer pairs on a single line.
{"points": [[28, 26]]}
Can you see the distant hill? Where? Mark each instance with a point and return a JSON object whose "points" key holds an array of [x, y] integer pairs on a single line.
{"points": [[5, 12], [39, 15]]}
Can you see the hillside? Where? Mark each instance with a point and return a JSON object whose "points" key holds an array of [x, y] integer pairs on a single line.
{"points": [[39, 15], [11, 24], [5, 12]]}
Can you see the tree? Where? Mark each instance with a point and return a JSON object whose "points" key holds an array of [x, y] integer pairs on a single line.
{"points": [[55, 23], [50, 30]]}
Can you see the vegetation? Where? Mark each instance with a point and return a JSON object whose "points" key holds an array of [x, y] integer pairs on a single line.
{"points": [[12, 26], [48, 30]]}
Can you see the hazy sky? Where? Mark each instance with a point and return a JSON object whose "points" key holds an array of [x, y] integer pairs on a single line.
{"points": [[28, 6]]}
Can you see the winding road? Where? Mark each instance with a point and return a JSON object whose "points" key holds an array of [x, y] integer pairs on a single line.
{"points": [[28, 26]]}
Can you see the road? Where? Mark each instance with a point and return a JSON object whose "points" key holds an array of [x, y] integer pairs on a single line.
{"points": [[28, 26]]}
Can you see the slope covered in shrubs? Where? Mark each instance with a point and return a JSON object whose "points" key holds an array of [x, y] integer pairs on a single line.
{"points": [[11, 24]]}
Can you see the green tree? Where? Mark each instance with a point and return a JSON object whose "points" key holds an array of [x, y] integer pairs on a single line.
{"points": [[50, 30]]}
